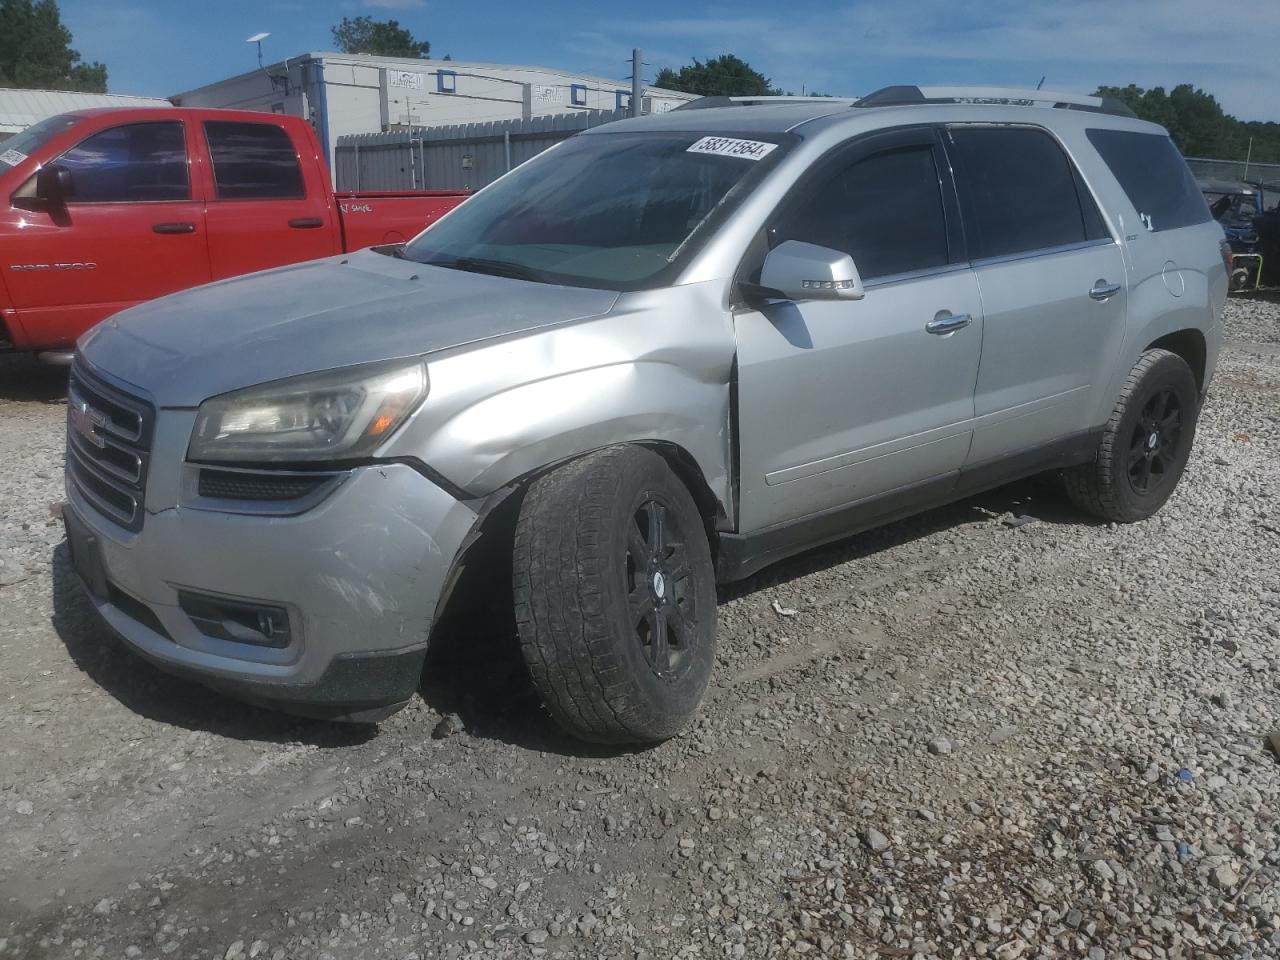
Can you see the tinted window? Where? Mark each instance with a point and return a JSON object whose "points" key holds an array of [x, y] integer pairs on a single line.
{"points": [[1018, 191], [129, 164], [253, 161], [884, 211], [1154, 176]]}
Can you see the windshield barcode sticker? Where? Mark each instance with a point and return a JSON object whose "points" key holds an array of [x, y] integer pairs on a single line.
{"points": [[730, 147], [12, 157]]}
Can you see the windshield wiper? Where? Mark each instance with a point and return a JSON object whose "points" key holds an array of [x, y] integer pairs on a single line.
{"points": [[497, 268]]}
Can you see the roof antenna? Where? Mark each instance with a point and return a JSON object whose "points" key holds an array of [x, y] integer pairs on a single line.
{"points": [[1041, 83]]}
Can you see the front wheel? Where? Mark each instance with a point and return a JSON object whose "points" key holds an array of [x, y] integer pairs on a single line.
{"points": [[1145, 445], [615, 596]]}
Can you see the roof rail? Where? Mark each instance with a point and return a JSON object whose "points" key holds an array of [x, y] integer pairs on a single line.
{"points": [[704, 103], [898, 96]]}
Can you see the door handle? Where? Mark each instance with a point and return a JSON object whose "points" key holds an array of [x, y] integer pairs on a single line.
{"points": [[173, 228], [306, 223], [1104, 291], [952, 322]]}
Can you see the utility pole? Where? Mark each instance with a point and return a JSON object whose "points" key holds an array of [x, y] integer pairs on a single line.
{"points": [[1247, 157], [637, 82]]}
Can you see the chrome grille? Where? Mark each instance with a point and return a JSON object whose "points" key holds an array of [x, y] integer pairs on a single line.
{"points": [[108, 445]]}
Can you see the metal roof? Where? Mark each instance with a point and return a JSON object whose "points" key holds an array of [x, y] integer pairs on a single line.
{"points": [[21, 108]]}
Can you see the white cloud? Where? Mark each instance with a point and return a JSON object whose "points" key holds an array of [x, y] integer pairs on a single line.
{"points": [[1078, 44]]}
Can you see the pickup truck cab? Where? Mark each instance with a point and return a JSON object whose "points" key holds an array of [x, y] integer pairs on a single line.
{"points": [[102, 209], [667, 351]]}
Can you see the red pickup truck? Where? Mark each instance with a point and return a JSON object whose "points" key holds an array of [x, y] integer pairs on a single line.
{"points": [[101, 209]]}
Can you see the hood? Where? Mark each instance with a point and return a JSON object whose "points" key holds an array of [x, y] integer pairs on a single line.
{"points": [[183, 349]]}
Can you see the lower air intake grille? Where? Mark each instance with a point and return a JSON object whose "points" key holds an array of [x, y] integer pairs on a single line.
{"points": [[230, 485]]}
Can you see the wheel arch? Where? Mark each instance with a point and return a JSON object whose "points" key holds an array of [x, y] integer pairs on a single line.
{"points": [[490, 537], [1190, 345]]}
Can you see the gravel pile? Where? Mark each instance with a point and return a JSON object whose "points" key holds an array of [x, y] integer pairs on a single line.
{"points": [[996, 730]]}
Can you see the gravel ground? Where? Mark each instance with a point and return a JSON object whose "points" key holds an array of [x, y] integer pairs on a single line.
{"points": [[962, 735]]}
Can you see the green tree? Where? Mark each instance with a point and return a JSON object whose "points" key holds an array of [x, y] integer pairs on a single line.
{"points": [[1197, 123], [722, 76], [385, 38], [35, 50]]}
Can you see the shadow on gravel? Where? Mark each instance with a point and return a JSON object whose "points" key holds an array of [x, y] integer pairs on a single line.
{"points": [[167, 699], [23, 379], [475, 669], [1037, 500]]}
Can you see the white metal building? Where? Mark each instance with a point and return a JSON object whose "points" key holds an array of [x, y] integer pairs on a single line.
{"points": [[356, 93], [21, 108]]}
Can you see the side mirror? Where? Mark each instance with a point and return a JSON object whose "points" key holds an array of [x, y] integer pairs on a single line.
{"points": [[54, 185], [796, 270]]}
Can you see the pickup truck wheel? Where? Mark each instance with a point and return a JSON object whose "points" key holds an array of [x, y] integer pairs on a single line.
{"points": [[615, 596], [1146, 443]]}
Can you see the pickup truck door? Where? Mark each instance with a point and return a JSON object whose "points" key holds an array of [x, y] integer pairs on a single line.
{"points": [[133, 229], [270, 202], [842, 401]]}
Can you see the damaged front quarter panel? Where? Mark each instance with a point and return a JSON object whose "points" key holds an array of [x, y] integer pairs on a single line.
{"points": [[655, 369]]}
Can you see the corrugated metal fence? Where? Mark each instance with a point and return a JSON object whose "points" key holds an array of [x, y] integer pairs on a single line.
{"points": [[1265, 174], [467, 156]]}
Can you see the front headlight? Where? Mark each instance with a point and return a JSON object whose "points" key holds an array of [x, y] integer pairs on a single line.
{"points": [[335, 415]]}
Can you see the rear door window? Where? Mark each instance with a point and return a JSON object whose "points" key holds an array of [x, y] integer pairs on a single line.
{"points": [[253, 161], [1154, 176], [133, 163], [1019, 191], [885, 211]]}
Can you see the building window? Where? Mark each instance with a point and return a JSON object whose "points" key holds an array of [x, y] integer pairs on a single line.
{"points": [[622, 99], [578, 94], [446, 81]]}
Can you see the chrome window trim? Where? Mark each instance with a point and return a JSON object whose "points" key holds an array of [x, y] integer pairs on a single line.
{"points": [[1043, 252], [910, 275]]}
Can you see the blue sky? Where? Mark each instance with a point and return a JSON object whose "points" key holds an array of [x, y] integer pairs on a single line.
{"points": [[163, 47]]}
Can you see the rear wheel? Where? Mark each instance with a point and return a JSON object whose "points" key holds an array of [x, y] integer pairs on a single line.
{"points": [[1146, 443], [615, 596]]}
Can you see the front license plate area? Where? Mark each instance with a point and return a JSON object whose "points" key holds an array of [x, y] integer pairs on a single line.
{"points": [[86, 555]]}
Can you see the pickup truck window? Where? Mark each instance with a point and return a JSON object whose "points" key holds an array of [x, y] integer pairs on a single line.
{"points": [[885, 211], [28, 141], [134, 163], [253, 161], [614, 211]]}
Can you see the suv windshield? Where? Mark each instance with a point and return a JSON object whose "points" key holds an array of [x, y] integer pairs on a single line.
{"points": [[614, 211], [21, 145]]}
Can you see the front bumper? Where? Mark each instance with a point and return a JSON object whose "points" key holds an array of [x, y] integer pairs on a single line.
{"points": [[360, 575]]}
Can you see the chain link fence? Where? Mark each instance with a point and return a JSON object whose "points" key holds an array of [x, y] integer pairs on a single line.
{"points": [[1264, 175]]}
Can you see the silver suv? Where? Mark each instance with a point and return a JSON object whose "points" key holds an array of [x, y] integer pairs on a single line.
{"points": [[666, 352]]}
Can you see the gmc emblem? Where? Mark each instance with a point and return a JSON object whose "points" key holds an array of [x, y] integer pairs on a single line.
{"points": [[86, 421]]}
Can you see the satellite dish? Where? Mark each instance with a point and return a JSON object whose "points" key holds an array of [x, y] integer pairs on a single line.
{"points": [[258, 38]]}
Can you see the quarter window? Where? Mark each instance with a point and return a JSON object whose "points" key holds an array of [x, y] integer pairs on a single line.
{"points": [[134, 163], [1019, 192], [1154, 176], [253, 161], [885, 211]]}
